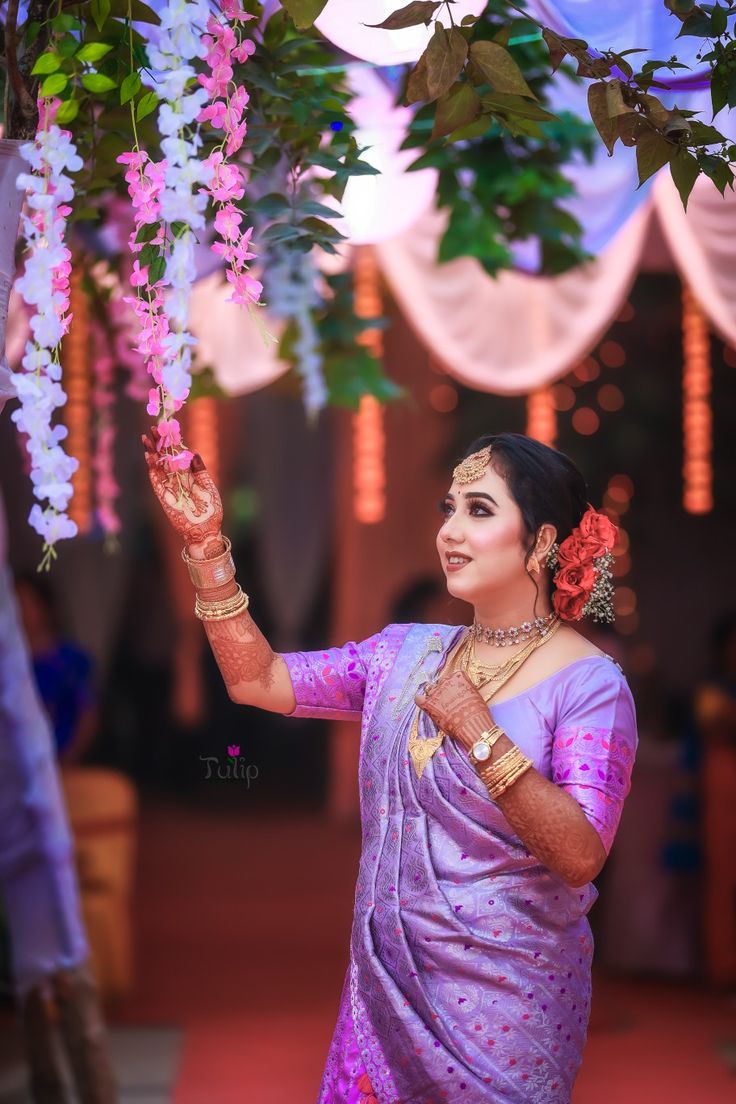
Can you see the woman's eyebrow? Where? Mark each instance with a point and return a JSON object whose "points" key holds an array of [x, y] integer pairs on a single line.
{"points": [[479, 494]]}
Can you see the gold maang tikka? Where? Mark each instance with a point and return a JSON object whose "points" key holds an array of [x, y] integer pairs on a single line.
{"points": [[472, 467]]}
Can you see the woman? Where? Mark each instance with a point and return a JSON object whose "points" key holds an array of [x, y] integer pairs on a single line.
{"points": [[469, 975]]}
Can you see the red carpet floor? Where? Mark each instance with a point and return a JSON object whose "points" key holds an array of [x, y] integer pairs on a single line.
{"points": [[242, 938]]}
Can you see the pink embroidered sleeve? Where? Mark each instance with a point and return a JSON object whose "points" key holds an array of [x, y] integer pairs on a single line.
{"points": [[594, 746], [331, 683]]}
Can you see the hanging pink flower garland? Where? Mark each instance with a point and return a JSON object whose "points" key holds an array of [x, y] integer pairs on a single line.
{"points": [[170, 198], [44, 286]]}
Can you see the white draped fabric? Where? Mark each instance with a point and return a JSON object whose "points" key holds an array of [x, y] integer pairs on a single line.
{"points": [[517, 332]]}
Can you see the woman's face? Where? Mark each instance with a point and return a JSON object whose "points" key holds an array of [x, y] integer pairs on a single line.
{"points": [[482, 540]]}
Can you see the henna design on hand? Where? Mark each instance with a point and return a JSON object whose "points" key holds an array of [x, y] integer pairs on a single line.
{"points": [[242, 652], [189, 499], [452, 702]]}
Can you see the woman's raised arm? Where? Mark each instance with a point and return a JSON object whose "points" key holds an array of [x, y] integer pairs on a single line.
{"points": [[253, 673]]}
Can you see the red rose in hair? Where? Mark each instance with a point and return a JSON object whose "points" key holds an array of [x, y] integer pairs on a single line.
{"points": [[573, 587], [597, 532], [574, 551]]}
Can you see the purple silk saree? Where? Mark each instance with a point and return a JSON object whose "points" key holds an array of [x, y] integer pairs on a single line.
{"points": [[469, 973]]}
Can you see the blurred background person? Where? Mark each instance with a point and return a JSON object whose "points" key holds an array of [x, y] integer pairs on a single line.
{"points": [[63, 671]]}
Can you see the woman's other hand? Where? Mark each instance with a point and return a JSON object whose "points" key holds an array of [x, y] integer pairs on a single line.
{"points": [[189, 498], [452, 703]]}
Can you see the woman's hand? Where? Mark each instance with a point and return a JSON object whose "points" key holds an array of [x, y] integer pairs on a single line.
{"points": [[189, 499], [456, 707]]}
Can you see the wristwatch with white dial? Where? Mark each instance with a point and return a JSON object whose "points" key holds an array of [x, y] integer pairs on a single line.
{"points": [[482, 749]]}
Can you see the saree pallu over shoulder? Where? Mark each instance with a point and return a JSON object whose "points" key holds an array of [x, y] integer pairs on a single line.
{"points": [[469, 976]]}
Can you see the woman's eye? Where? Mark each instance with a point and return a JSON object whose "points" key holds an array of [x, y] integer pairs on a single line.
{"points": [[445, 508], [483, 510]]}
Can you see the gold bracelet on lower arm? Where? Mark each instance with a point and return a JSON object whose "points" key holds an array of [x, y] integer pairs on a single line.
{"points": [[222, 610], [500, 776], [215, 572]]}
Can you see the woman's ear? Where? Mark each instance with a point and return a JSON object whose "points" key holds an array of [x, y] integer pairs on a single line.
{"points": [[546, 537]]}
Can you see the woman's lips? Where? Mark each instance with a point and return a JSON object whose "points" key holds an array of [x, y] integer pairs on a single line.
{"points": [[450, 566]]}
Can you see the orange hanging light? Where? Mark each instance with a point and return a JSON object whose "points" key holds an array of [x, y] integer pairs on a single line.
{"points": [[77, 412], [202, 435], [541, 416], [697, 421], [369, 436]]}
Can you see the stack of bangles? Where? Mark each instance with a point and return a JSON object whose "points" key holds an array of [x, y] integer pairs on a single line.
{"points": [[211, 575], [499, 777]]}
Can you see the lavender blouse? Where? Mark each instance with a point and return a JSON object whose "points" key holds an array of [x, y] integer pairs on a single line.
{"points": [[469, 972]]}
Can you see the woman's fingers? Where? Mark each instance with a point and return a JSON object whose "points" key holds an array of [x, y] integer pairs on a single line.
{"points": [[197, 465]]}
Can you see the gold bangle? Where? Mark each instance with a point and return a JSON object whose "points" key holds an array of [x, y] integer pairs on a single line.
{"points": [[220, 611], [234, 603], [499, 784], [224, 616], [215, 572], [499, 776]]}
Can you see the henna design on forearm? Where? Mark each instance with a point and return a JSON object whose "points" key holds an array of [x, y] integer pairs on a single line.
{"points": [[551, 824], [242, 652]]}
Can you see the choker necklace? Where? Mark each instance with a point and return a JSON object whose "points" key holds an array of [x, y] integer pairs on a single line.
{"points": [[517, 634]]}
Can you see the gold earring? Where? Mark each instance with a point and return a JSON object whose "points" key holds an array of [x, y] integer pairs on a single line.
{"points": [[534, 564]]}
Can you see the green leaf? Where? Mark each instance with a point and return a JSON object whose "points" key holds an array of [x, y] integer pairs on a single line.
{"points": [[281, 232], [149, 253], [702, 135], [718, 20], [680, 8], [652, 152], [697, 24], [322, 230], [598, 107], [146, 104], [147, 231], [446, 55], [98, 82], [718, 90], [272, 205], [685, 171], [46, 63], [415, 13], [156, 270], [130, 87], [64, 22], [99, 10], [457, 108], [718, 171], [304, 12], [311, 207], [54, 84], [516, 105], [93, 51], [67, 46], [67, 112], [499, 68]]}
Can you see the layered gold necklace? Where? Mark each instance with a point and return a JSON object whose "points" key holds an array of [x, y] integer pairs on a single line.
{"points": [[482, 676]]}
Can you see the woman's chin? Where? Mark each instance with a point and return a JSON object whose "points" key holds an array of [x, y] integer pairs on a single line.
{"points": [[456, 588]]}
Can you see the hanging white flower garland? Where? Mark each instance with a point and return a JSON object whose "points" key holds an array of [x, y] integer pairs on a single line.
{"points": [[44, 286]]}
